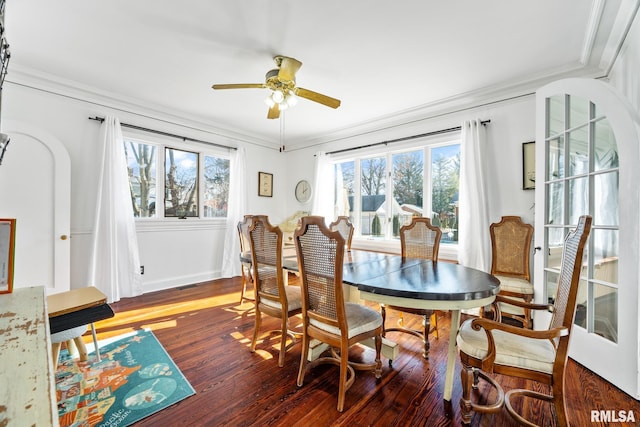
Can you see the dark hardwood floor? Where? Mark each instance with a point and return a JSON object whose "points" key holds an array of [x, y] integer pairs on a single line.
{"points": [[207, 333]]}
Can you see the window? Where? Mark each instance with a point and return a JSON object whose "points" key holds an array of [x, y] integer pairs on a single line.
{"points": [[382, 192], [193, 184]]}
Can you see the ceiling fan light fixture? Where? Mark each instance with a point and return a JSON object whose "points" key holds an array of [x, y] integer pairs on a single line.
{"points": [[269, 101], [284, 105], [291, 99], [277, 96]]}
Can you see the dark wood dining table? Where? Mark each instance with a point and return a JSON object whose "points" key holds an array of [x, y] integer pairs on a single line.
{"points": [[417, 283]]}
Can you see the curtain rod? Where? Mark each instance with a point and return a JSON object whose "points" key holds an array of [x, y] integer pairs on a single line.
{"points": [[159, 132], [406, 138]]}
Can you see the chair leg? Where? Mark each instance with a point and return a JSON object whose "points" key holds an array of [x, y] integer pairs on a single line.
{"points": [[434, 322], [283, 342], [82, 349], [55, 354], [344, 369], [256, 330], [558, 403], [303, 359], [468, 379]]}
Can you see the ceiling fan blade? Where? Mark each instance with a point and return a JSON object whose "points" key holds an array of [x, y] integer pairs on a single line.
{"points": [[239, 86], [288, 68], [317, 97], [274, 112]]}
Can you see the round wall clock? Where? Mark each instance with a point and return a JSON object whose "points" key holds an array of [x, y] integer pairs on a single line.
{"points": [[303, 191]]}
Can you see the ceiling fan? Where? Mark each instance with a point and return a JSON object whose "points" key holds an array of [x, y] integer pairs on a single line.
{"points": [[282, 83]]}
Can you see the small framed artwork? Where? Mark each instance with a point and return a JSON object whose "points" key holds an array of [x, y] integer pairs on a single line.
{"points": [[265, 184], [7, 250], [528, 165]]}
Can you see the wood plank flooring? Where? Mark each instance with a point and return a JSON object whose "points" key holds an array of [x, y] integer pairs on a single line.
{"points": [[207, 333]]}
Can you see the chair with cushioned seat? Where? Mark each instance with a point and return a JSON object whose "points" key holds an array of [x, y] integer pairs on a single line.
{"points": [[491, 347], [510, 252], [272, 296], [326, 316]]}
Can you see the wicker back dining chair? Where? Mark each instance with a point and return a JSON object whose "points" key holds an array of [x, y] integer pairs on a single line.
{"points": [[245, 256], [326, 316], [491, 347], [510, 252], [343, 225], [419, 239], [272, 296]]}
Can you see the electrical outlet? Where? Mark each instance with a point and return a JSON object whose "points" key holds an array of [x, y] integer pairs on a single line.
{"points": [[142, 269]]}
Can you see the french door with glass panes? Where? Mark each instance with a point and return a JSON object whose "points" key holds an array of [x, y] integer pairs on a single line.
{"points": [[586, 163]]}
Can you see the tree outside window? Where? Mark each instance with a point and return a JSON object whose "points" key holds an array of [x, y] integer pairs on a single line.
{"points": [[181, 183], [397, 186], [183, 177]]}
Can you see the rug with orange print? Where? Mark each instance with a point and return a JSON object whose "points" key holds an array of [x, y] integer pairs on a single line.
{"points": [[134, 379]]}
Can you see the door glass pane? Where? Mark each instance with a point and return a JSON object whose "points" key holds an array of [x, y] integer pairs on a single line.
{"points": [[555, 115], [606, 199], [555, 162], [555, 203], [445, 179], [345, 182], [408, 179], [181, 183], [606, 148], [373, 183], [578, 151], [551, 285], [605, 255], [605, 315], [578, 199], [578, 111], [582, 304]]}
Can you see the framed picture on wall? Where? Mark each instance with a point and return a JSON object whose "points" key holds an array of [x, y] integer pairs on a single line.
{"points": [[265, 184], [7, 250], [528, 165]]}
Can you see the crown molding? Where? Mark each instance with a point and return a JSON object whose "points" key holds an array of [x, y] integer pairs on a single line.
{"points": [[38, 80]]}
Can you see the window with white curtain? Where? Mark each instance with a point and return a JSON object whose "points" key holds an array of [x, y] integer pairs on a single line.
{"points": [[382, 191], [191, 183]]}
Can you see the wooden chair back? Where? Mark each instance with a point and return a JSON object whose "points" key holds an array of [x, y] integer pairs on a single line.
{"points": [[420, 239], [511, 247], [266, 253], [320, 257]]}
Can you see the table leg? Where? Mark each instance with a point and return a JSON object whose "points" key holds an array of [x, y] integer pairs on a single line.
{"points": [[451, 356]]}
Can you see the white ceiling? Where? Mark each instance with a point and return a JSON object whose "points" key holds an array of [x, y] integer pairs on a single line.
{"points": [[386, 61]]}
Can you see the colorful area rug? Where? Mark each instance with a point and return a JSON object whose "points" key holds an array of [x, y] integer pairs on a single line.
{"points": [[134, 379]]}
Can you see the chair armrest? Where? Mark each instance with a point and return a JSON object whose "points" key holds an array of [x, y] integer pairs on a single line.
{"points": [[490, 325], [523, 304]]}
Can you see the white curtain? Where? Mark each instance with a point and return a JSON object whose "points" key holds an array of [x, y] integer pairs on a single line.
{"points": [[236, 209], [114, 265], [474, 247], [323, 189]]}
